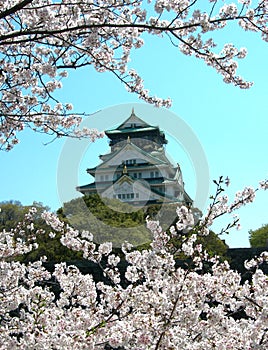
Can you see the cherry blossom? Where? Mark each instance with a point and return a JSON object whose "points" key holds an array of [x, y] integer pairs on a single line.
{"points": [[152, 304], [41, 41], [264, 184]]}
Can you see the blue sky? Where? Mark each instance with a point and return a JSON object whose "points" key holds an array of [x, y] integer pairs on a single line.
{"points": [[230, 124]]}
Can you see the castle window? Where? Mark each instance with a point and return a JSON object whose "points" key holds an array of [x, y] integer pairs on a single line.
{"points": [[130, 161], [125, 167], [126, 196]]}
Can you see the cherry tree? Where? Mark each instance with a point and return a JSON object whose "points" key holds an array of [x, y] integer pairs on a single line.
{"points": [[41, 40], [153, 304]]}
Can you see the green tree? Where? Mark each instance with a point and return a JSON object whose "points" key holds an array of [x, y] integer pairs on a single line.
{"points": [[213, 244], [107, 219], [104, 217], [13, 212], [259, 237]]}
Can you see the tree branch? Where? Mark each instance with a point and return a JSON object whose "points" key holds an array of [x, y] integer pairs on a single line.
{"points": [[15, 8]]}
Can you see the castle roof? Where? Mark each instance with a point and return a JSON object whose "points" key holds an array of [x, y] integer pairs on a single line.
{"points": [[129, 146], [133, 120], [133, 124], [125, 178], [137, 169]]}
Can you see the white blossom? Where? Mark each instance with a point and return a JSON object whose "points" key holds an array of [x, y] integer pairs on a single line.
{"points": [[41, 41]]}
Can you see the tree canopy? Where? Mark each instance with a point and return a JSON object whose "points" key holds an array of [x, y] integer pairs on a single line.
{"points": [[163, 306], [259, 237], [109, 220], [13, 214], [114, 221], [41, 40]]}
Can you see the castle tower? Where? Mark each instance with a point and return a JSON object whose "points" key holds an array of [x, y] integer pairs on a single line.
{"points": [[137, 170]]}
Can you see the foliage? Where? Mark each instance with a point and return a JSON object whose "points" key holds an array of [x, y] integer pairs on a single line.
{"points": [[12, 213], [109, 219], [41, 40], [213, 244], [105, 216], [259, 237]]}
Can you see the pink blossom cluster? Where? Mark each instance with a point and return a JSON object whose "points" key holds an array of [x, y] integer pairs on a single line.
{"points": [[249, 264], [247, 195], [21, 239], [185, 219], [264, 184], [221, 205], [41, 40], [153, 304]]}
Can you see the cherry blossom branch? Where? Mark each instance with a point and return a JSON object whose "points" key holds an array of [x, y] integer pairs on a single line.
{"points": [[40, 39], [15, 8], [158, 343]]}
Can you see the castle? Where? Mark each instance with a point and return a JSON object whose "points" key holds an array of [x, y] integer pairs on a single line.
{"points": [[137, 169]]}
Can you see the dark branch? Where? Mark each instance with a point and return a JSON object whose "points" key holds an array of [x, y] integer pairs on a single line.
{"points": [[15, 8]]}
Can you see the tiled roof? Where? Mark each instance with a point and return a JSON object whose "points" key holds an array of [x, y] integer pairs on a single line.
{"points": [[130, 130], [136, 148]]}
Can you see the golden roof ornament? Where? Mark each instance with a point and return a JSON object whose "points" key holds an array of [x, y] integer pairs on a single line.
{"points": [[132, 112]]}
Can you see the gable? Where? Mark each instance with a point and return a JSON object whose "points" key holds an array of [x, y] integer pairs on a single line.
{"points": [[127, 189], [133, 122], [128, 152]]}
